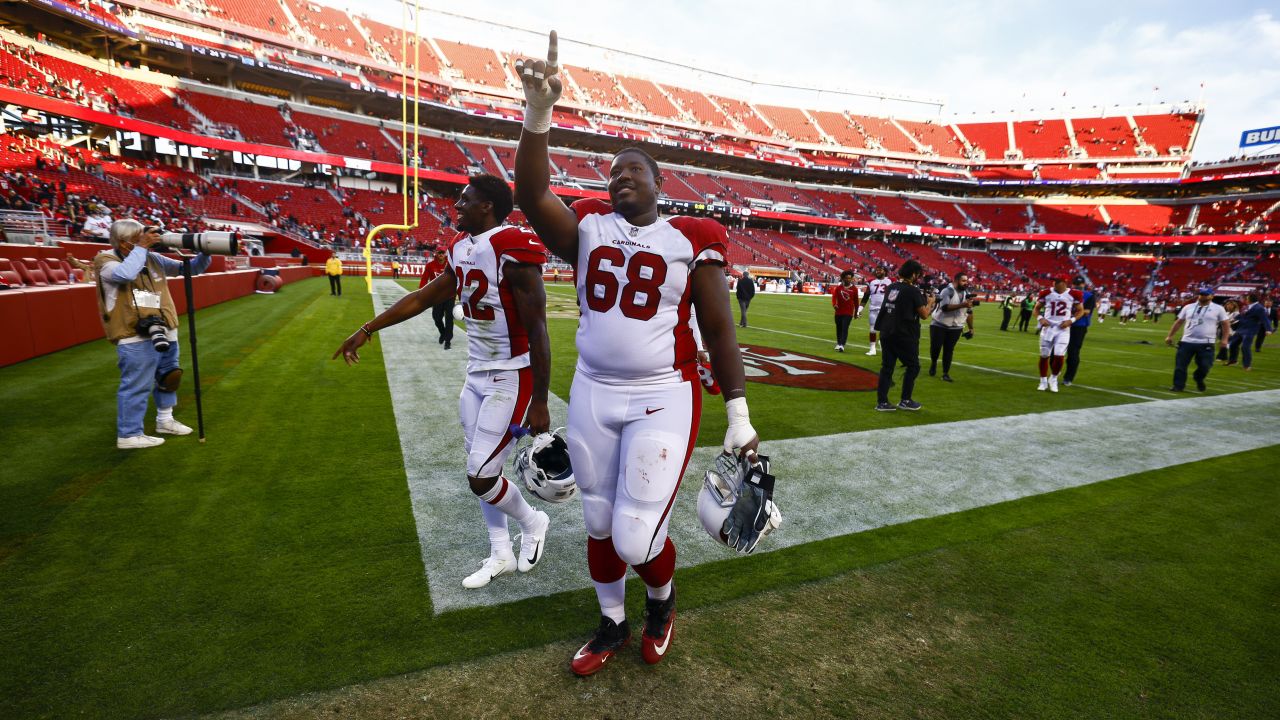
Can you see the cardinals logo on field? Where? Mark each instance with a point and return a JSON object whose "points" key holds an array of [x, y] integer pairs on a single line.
{"points": [[793, 369]]}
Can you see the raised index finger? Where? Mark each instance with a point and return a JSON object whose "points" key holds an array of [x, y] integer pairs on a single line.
{"points": [[553, 50]]}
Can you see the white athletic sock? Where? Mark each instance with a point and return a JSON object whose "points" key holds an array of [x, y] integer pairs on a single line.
{"points": [[164, 414], [661, 593], [612, 597], [499, 536], [505, 496]]}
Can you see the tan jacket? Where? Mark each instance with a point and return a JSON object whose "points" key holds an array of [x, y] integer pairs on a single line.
{"points": [[122, 320]]}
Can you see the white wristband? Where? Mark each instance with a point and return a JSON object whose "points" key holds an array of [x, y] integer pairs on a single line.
{"points": [[537, 119], [737, 412]]}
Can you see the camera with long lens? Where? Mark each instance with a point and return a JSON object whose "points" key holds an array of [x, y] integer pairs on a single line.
{"points": [[210, 243], [153, 328]]}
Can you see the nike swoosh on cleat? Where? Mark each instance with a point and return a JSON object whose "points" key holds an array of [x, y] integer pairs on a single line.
{"points": [[650, 411], [662, 649], [580, 654], [536, 554]]}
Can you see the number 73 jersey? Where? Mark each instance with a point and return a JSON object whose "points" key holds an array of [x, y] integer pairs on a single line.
{"points": [[634, 294], [496, 339]]}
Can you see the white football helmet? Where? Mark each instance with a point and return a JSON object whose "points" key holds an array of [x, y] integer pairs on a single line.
{"points": [[719, 492], [543, 465]]}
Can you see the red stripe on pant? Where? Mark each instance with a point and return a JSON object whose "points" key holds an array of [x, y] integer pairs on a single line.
{"points": [[523, 395]]}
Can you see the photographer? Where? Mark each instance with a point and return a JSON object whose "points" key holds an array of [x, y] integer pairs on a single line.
{"points": [[951, 314], [899, 326], [141, 321]]}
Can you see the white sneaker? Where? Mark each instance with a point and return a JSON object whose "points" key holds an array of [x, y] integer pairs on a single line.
{"points": [[1044, 384], [492, 567], [137, 441], [532, 542], [872, 351], [1053, 384], [172, 427]]}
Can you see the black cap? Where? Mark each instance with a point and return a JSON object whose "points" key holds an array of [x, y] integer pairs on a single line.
{"points": [[1077, 280]]}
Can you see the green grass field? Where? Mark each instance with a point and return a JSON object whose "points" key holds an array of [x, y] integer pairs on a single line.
{"points": [[281, 557]]}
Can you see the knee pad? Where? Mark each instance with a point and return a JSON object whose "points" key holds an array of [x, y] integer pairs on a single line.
{"points": [[633, 539], [169, 381]]}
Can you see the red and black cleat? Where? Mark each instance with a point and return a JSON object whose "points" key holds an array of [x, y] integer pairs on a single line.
{"points": [[659, 626], [610, 637]]}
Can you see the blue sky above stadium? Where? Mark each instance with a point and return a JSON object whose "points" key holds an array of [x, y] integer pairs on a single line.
{"points": [[982, 58]]}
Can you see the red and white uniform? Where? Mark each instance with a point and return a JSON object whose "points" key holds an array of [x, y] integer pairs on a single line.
{"points": [[875, 298], [636, 400], [1056, 308], [499, 381], [845, 300]]}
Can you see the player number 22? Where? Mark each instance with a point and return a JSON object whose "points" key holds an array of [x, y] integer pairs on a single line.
{"points": [[471, 307], [645, 271]]}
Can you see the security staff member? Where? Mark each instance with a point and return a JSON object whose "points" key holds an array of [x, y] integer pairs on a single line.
{"points": [[1079, 329], [133, 299], [951, 313], [1006, 308], [899, 326], [1024, 317], [333, 268]]}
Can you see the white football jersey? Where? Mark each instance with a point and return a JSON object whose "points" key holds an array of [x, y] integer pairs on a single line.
{"points": [[496, 339], [875, 292], [1059, 306], [634, 294]]}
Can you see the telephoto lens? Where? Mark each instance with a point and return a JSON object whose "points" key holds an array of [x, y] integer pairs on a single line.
{"points": [[153, 328], [210, 243]]}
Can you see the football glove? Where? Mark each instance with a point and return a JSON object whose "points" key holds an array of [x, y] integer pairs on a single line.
{"points": [[753, 515], [542, 87]]}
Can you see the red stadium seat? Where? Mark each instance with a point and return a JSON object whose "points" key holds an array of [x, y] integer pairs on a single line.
{"points": [[55, 273], [30, 272]]}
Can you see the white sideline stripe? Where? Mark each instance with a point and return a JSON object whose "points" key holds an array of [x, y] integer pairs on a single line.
{"points": [[828, 486]]}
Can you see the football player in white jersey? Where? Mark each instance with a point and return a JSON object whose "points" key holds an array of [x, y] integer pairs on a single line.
{"points": [[1104, 307], [873, 300], [1057, 308], [636, 402], [496, 272]]}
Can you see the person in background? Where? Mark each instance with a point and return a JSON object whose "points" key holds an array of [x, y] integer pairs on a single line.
{"points": [[951, 313], [1006, 309], [1233, 312], [1024, 316], [333, 269], [1270, 307], [1253, 321], [441, 312], [899, 326], [1079, 329], [844, 298], [140, 319], [745, 291], [1203, 320]]}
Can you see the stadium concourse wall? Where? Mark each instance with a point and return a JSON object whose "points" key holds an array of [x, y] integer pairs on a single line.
{"points": [[39, 320]]}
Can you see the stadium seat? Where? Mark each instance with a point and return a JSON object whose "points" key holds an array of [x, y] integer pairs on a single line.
{"points": [[30, 271], [53, 271], [9, 274]]}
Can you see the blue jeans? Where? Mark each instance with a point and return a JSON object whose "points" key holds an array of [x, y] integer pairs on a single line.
{"points": [[140, 368], [1203, 354], [1241, 343]]}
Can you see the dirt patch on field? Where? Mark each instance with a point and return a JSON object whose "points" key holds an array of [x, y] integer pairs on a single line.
{"points": [[821, 650]]}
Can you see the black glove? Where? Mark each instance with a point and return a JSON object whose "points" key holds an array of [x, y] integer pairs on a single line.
{"points": [[752, 510]]}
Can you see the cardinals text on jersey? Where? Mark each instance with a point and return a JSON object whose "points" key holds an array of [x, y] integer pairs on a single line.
{"points": [[496, 339], [634, 293]]}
